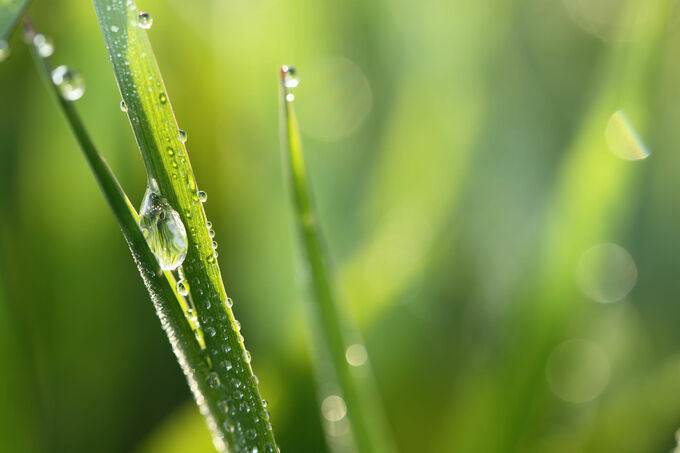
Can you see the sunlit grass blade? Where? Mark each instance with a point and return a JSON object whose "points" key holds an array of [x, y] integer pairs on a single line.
{"points": [[207, 343], [339, 369], [161, 285]]}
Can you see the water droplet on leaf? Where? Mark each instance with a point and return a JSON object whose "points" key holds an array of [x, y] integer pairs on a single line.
{"points": [[163, 229], [290, 77], [43, 45], [123, 106], [182, 289], [145, 20], [202, 196], [69, 82]]}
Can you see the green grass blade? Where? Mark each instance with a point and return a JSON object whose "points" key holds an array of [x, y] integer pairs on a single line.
{"points": [[213, 358], [332, 330], [10, 13], [161, 285]]}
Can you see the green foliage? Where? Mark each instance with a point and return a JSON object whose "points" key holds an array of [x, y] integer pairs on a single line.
{"points": [[10, 13]]}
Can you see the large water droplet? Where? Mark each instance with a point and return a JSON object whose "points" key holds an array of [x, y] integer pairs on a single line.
{"points": [[182, 135], [202, 196], [4, 50], [163, 229], [43, 45], [69, 82], [290, 77], [145, 20]]}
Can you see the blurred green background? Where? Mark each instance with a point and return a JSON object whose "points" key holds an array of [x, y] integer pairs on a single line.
{"points": [[511, 257]]}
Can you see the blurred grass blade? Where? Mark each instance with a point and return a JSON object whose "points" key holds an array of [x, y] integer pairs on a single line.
{"points": [[10, 13], [368, 429]]}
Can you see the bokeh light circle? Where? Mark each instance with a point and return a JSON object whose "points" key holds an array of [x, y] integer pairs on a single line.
{"points": [[333, 98], [577, 371], [606, 273]]}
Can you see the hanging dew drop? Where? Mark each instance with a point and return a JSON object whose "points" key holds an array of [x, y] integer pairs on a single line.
{"points": [[214, 245], [211, 233], [123, 106], [70, 84], [182, 289], [145, 20], [4, 50], [182, 135], [43, 45], [202, 196], [163, 229], [290, 77], [208, 224]]}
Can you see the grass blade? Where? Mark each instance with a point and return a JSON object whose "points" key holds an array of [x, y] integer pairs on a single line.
{"points": [[10, 13], [208, 345], [368, 430]]}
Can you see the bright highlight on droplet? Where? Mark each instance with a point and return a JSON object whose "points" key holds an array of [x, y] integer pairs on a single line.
{"points": [[333, 408], [123, 106], [356, 355], [4, 50], [606, 273], [43, 45], [163, 229], [182, 135], [577, 371], [145, 20], [623, 140], [69, 82]]}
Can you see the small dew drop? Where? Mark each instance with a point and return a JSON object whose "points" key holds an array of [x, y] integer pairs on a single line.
{"points": [[214, 245], [229, 302], [208, 224], [171, 152], [123, 106], [43, 45], [4, 50], [227, 365], [210, 330], [213, 380], [247, 355], [215, 254], [202, 196], [182, 288], [69, 82], [290, 97], [211, 233], [229, 427], [251, 434], [182, 135], [145, 20], [114, 28], [290, 77], [162, 98], [223, 406]]}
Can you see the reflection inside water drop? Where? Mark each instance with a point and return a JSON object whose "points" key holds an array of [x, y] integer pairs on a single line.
{"points": [[623, 140], [163, 229]]}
